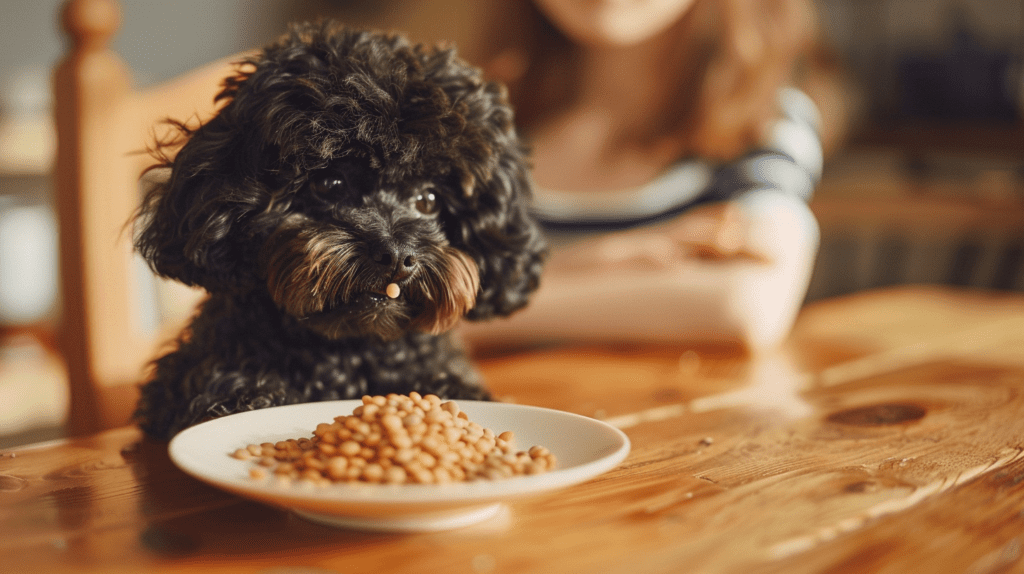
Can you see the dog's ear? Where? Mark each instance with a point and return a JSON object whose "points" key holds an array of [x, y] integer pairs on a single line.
{"points": [[189, 226], [503, 238], [490, 164]]}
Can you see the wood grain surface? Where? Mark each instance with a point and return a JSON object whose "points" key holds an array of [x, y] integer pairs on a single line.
{"points": [[886, 436]]}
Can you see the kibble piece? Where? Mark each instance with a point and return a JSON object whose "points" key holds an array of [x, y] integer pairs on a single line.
{"points": [[538, 452], [350, 448], [436, 415], [393, 290], [395, 475], [402, 441], [373, 472]]}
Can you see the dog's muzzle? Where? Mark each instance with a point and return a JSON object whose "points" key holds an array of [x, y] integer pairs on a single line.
{"points": [[340, 286]]}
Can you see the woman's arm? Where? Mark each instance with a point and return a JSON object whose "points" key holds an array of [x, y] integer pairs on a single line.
{"points": [[734, 272]]}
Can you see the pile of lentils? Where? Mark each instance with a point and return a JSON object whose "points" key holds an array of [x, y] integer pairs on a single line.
{"points": [[397, 439]]}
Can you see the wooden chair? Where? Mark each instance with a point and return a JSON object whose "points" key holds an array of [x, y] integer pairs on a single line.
{"points": [[104, 126]]}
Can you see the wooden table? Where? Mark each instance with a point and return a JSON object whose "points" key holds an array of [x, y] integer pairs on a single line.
{"points": [[886, 436]]}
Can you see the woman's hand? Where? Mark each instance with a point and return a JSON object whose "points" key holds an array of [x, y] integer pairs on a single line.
{"points": [[714, 232]]}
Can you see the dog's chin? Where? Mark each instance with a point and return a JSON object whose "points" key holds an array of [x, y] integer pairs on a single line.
{"points": [[365, 315]]}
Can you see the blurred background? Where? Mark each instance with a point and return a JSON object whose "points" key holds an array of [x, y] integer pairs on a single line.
{"points": [[929, 187]]}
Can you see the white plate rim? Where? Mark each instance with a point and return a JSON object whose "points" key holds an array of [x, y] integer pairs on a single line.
{"points": [[364, 495]]}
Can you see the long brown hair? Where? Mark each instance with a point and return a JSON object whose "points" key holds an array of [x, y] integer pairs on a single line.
{"points": [[732, 58]]}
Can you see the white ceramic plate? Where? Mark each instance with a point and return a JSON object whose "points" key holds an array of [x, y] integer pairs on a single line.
{"points": [[584, 448]]}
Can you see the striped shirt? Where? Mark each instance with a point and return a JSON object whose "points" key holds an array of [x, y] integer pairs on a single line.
{"points": [[790, 162]]}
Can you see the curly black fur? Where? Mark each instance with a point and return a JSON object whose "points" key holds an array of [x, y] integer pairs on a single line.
{"points": [[342, 161]]}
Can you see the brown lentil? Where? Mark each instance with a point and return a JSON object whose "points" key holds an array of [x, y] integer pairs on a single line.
{"points": [[397, 439]]}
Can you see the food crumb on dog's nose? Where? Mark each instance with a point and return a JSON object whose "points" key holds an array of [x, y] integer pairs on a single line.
{"points": [[392, 290]]}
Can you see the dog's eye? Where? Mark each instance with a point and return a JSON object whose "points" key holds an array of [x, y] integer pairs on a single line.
{"points": [[426, 201], [327, 184]]}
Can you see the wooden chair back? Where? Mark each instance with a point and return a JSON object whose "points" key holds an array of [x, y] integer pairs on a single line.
{"points": [[107, 334]]}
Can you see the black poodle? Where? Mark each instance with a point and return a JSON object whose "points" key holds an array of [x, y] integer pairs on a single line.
{"points": [[353, 200]]}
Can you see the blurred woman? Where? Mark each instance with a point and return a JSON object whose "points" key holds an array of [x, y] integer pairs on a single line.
{"points": [[674, 153]]}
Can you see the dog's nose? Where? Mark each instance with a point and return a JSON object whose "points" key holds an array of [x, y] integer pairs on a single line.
{"points": [[399, 259]]}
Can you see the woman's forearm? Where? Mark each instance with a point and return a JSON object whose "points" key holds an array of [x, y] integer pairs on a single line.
{"points": [[751, 301], [737, 301]]}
